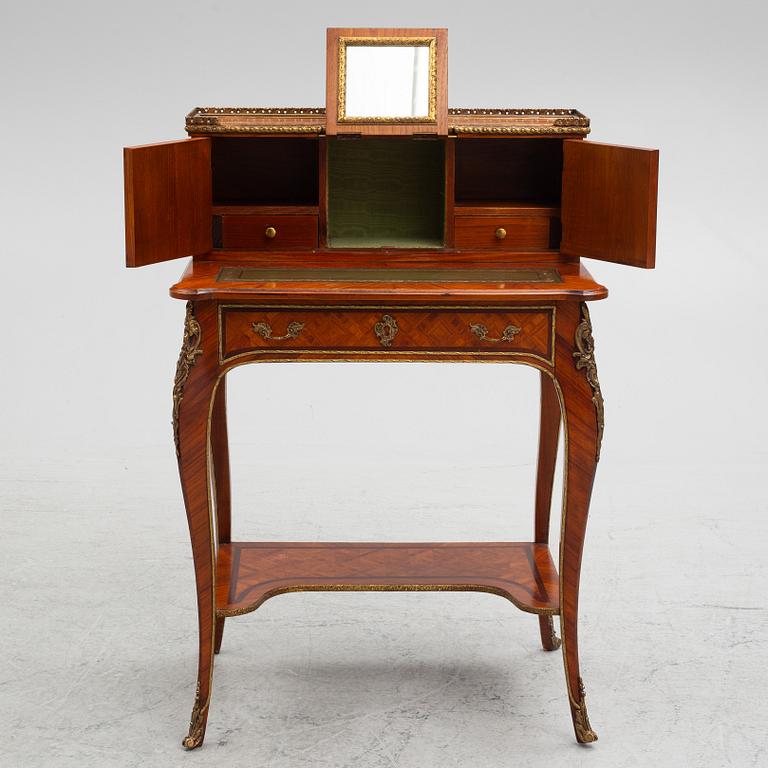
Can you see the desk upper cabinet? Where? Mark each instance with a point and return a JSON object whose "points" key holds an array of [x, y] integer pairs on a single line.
{"points": [[513, 182]]}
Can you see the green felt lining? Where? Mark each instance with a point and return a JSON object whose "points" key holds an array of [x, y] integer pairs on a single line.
{"points": [[386, 192]]}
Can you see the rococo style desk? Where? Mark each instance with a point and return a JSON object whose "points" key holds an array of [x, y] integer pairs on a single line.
{"points": [[457, 247]]}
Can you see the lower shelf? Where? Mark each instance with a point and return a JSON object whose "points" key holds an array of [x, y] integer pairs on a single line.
{"points": [[248, 573]]}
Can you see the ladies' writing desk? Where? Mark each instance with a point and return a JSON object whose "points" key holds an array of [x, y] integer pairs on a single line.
{"points": [[315, 241]]}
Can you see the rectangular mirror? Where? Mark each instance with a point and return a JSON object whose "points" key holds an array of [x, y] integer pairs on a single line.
{"points": [[380, 81], [386, 79]]}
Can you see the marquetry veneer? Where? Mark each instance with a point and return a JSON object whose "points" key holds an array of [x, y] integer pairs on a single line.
{"points": [[387, 329], [247, 574]]}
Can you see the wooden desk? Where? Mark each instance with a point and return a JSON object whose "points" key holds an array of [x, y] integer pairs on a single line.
{"points": [[475, 258]]}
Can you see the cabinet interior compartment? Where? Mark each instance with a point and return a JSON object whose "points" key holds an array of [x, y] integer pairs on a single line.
{"points": [[385, 192], [265, 170], [508, 171]]}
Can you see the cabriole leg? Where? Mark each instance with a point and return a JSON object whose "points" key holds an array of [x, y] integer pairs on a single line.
{"points": [[193, 390], [221, 486], [583, 418], [549, 433]]}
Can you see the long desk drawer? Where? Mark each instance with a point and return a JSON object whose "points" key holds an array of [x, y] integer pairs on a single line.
{"points": [[517, 331]]}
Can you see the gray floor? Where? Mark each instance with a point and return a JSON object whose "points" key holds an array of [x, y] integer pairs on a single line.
{"points": [[99, 623]]}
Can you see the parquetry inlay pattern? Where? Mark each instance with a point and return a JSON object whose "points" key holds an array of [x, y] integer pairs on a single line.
{"points": [[250, 573], [417, 329]]}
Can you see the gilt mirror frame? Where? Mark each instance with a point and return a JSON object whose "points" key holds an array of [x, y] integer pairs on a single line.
{"points": [[337, 121]]}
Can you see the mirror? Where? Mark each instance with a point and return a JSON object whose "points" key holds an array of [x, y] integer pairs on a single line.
{"points": [[386, 79]]}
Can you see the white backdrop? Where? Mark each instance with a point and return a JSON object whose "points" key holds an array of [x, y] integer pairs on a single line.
{"points": [[90, 348], [93, 346]]}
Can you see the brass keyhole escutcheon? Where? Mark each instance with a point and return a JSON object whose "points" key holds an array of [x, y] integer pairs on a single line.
{"points": [[386, 330], [501, 233], [270, 232]]}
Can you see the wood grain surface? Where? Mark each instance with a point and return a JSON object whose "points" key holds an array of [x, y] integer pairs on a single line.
{"points": [[549, 433], [354, 330], [167, 201], [200, 281], [249, 573], [609, 202], [525, 233], [250, 231]]}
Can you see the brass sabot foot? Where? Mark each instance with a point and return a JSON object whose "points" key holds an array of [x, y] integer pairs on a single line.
{"points": [[584, 732], [554, 640], [192, 741], [196, 724]]}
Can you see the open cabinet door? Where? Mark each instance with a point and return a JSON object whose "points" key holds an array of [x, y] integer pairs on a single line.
{"points": [[609, 202], [167, 201]]}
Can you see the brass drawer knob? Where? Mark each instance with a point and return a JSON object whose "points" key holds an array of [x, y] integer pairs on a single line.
{"points": [[270, 232], [501, 233]]}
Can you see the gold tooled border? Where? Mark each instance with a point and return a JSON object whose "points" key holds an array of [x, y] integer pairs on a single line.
{"points": [[400, 41], [487, 589], [351, 354]]}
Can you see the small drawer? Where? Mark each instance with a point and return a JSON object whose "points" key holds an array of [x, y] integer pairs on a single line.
{"points": [[268, 232], [530, 233], [515, 331]]}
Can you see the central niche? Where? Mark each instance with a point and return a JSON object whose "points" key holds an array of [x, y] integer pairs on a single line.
{"points": [[386, 193]]}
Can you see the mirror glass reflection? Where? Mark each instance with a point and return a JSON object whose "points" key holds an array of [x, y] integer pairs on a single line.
{"points": [[389, 81]]}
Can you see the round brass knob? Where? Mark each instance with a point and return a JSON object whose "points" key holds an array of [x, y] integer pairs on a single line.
{"points": [[501, 233], [270, 232]]}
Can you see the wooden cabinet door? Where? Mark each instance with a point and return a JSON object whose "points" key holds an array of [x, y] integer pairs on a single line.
{"points": [[609, 202], [167, 201]]}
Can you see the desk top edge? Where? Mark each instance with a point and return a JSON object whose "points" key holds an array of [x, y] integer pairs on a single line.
{"points": [[199, 282]]}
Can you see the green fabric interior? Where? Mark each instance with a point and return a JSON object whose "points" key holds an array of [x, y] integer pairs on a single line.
{"points": [[386, 192]]}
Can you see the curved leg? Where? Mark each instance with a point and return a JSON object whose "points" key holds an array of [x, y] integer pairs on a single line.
{"points": [[549, 433], [193, 390], [219, 634], [583, 419], [220, 456], [549, 639], [221, 487]]}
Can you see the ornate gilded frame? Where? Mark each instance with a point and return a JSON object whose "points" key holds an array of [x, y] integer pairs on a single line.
{"points": [[337, 120], [341, 98]]}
